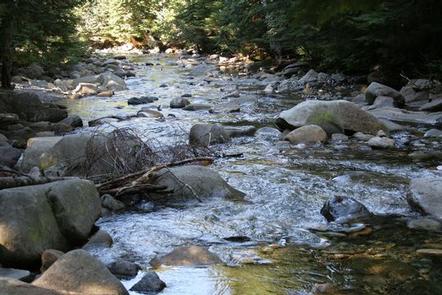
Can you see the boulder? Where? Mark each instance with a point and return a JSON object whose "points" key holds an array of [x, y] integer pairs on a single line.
{"points": [[10, 286], [192, 183], [207, 134], [76, 206], [342, 209], [310, 77], [141, 100], [382, 101], [106, 93], [148, 113], [410, 94], [56, 215], [381, 142], [332, 116], [109, 202], [179, 103], [308, 134], [85, 89], [149, 284], [110, 81], [77, 272], [197, 107], [433, 106], [28, 107], [339, 138], [425, 195], [187, 256], [289, 85], [100, 239], [123, 268], [35, 148], [73, 121], [376, 89], [9, 155], [48, 257], [228, 107], [240, 131]]}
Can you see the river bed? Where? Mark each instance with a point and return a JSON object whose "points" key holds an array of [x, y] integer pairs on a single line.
{"points": [[286, 188]]}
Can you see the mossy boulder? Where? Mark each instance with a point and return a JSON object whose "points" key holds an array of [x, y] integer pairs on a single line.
{"points": [[333, 116]]}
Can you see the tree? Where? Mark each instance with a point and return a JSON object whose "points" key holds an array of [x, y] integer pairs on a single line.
{"points": [[35, 29]]}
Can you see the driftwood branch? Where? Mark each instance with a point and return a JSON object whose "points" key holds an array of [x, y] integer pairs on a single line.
{"points": [[139, 182]]}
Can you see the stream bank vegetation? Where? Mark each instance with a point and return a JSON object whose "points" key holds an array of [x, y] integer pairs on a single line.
{"points": [[385, 38]]}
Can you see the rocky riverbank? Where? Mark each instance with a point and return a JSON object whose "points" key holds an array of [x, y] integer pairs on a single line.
{"points": [[359, 153]]}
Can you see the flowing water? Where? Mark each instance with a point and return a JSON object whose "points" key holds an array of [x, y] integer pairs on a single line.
{"points": [[285, 186]]}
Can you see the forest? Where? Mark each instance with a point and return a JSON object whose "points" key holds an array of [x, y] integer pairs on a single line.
{"points": [[393, 37]]}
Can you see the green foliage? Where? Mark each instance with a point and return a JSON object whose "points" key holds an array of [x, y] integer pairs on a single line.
{"points": [[42, 31]]}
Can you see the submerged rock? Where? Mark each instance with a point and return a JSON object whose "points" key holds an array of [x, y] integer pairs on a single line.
{"points": [[425, 195], [187, 256], [149, 284], [342, 209], [332, 116], [192, 183], [80, 273]]}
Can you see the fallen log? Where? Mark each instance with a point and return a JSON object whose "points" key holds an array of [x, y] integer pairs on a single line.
{"points": [[138, 182]]}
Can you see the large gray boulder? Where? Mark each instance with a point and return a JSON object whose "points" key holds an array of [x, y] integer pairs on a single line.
{"points": [[56, 215], [110, 81], [376, 89], [10, 286], [425, 195], [28, 107], [77, 272], [192, 183], [36, 147], [207, 134], [332, 116]]}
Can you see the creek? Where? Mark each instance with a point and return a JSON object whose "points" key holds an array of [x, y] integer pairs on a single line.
{"points": [[270, 250]]}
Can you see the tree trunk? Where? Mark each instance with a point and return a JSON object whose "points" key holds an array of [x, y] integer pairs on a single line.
{"points": [[6, 33]]}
